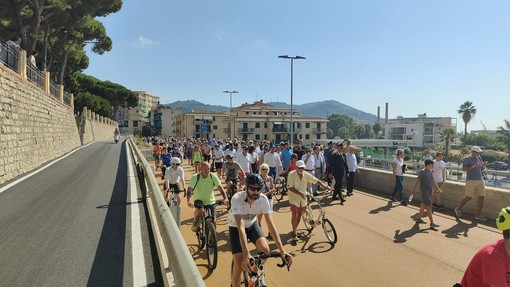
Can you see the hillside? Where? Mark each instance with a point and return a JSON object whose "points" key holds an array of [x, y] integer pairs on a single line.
{"points": [[318, 109]]}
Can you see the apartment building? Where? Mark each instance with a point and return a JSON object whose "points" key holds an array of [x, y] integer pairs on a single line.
{"points": [[257, 121], [421, 131], [139, 116]]}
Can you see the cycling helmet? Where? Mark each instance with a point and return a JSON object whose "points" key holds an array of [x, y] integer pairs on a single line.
{"points": [[176, 160], [503, 220], [254, 180], [229, 156]]}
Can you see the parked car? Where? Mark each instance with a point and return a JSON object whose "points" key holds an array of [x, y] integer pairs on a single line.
{"points": [[497, 165]]}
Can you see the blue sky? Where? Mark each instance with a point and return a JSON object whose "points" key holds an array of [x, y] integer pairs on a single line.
{"points": [[419, 56]]}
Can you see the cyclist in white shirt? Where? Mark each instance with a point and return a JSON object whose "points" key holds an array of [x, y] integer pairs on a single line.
{"points": [[242, 221], [218, 159], [174, 177]]}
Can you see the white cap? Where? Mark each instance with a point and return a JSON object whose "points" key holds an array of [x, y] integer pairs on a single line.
{"points": [[300, 164], [476, 148]]}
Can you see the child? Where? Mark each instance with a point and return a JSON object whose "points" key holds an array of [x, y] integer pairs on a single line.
{"points": [[427, 183]]}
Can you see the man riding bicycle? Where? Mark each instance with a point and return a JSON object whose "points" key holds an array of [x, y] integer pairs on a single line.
{"points": [[201, 187], [174, 177], [232, 170], [242, 220]]}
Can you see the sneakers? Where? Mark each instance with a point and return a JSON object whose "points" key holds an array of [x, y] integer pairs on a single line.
{"points": [[433, 225], [403, 202], [419, 220], [440, 207], [480, 217], [194, 227], [392, 199], [458, 212]]}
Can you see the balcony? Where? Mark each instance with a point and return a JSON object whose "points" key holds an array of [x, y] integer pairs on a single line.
{"points": [[280, 130], [320, 131], [246, 130]]}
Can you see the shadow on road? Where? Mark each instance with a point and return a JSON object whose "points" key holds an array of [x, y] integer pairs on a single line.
{"points": [[386, 207], [401, 237], [459, 229]]}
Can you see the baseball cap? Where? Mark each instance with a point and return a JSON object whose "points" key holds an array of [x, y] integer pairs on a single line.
{"points": [[300, 164], [272, 146], [245, 147], [476, 149]]}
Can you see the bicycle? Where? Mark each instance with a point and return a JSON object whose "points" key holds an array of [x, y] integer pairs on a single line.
{"points": [[233, 190], [206, 232], [281, 187], [256, 279], [310, 221]]}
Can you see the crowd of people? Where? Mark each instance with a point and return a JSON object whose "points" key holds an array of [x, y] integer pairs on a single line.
{"points": [[255, 165]]}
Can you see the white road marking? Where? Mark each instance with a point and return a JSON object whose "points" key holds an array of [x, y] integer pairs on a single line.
{"points": [[40, 169], [138, 259]]}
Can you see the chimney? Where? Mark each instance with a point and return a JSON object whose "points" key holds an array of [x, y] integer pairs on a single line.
{"points": [[378, 114], [386, 115]]}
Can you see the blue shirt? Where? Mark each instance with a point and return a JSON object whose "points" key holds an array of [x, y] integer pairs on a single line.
{"points": [[286, 155]]}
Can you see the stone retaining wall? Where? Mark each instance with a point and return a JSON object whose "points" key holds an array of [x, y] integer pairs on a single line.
{"points": [[453, 192], [36, 128]]}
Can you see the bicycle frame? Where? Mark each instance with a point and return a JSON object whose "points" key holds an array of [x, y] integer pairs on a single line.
{"points": [[253, 279], [206, 234], [310, 222]]}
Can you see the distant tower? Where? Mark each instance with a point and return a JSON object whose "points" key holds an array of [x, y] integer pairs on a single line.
{"points": [[378, 114], [386, 115]]}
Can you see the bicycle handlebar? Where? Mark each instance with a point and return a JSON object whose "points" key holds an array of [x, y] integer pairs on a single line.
{"points": [[262, 256]]}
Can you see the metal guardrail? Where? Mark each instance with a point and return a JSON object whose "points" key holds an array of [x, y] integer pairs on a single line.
{"points": [[67, 98], [35, 76], [8, 56], [55, 90], [455, 173], [184, 269]]}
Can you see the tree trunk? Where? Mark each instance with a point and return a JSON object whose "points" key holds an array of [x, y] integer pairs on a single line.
{"points": [[63, 67]]}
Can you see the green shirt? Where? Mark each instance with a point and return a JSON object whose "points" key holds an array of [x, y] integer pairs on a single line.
{"points": [[204, 189]]}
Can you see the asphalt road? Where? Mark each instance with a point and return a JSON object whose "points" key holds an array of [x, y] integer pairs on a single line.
{"points": [[379, 245], [70, 224]]}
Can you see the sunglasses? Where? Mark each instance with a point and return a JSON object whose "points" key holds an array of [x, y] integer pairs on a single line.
{"points": [[264, 169], [301, 168], [255, 188]]}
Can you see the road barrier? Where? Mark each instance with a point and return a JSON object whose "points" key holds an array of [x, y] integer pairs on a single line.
{"points": [[184, 269]]}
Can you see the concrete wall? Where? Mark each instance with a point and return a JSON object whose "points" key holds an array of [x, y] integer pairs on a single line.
{"points": [[453, 191], [36, 128]]}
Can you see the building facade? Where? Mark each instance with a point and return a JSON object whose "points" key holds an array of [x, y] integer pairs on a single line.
{"points": [[257, 121], [164, 119], [421, 131], [139, 116]]}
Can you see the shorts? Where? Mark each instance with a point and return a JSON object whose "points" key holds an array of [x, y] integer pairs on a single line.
{"points": [[174, 187], [475, 188], [218, 165], [253, 233], [155, 156], [200, 204], [207, 157], [426, 198]]}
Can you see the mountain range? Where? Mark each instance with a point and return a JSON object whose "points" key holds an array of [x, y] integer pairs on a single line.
{"points": [[317, 109]]}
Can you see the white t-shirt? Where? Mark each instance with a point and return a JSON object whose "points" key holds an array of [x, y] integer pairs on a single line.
{"points": [[218, 155], [243, 161], [439, 166], [399, 162], [249, 212], [174, 176]]}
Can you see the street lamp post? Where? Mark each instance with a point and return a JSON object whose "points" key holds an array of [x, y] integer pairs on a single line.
{"points": [[476, 135], [231, 119], [291, 93]]}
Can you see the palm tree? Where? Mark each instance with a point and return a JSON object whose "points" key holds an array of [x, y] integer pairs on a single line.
{"points": [[503, 137], [468, 112], [447, 136]]}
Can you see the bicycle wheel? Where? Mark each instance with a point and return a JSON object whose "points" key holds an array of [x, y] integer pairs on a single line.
{"points": [[330, 231], [212, 245], [308, 219], [201, 233], [279, 193], [244, 275]]}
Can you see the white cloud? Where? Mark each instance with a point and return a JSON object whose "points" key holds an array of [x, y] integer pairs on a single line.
{"points": [[220, 34], [143, 42]]}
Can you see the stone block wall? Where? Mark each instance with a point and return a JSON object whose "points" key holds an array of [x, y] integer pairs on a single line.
{"points": [[35, 127], [453, 192]]}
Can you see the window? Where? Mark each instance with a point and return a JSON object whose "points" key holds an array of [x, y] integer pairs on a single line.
{"points": [[257, 137], [318, 136], [247, 113], [257, 125], [265, 125], [307, 125], [135, 124], [267, 113], [298, 125], [307, 136], [214, 127], [265, 137]]}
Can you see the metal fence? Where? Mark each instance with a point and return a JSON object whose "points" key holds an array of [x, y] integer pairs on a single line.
{"points": [[8, 56], [67, 98], [35, 76], [55, 90], [454, 172]]}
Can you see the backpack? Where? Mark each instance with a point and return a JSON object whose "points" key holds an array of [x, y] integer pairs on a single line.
{"points": [[198, 178]]}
